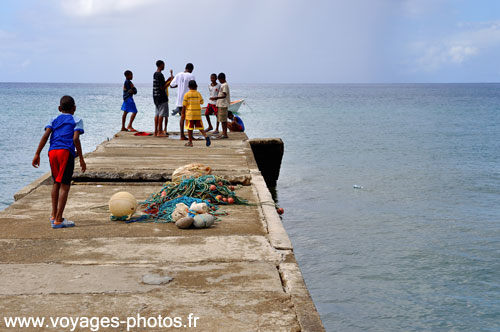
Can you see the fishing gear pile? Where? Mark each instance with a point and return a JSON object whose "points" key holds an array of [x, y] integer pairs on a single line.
{"points": [[209, 189], [212, 188]]}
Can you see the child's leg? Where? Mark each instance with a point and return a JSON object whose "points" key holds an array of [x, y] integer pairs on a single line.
{"points": [[190, 137], [181, 125], [166, 123], [222, 117], [156, 125], [161, 132], [207, 138], [132, 117], [124, 118], [61, 204], [55, 199], [216, 112], [160, 125], [224, 129], [209, 123]]}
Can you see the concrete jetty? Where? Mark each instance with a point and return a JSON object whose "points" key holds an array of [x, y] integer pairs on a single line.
{"points": [[238, 275]]}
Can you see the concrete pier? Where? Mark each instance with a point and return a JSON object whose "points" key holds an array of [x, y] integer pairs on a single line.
{"points": [[238, 275]]}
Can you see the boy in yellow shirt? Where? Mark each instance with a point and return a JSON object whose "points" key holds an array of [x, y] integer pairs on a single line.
{"points": [[191, 111]]}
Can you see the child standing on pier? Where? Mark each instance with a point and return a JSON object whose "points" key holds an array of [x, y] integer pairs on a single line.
{"points": [[128, 105], [191, 111], [213, 89], [64, 132], [160, 99]]}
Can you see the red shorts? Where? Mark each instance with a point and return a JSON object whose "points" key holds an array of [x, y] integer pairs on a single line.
{"points": [[194, 124], [211, 109], [62, 165]]}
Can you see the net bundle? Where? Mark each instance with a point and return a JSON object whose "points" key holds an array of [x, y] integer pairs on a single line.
{"points": [[210, 189]]}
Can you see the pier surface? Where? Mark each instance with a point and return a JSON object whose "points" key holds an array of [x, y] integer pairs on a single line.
{"points": [[238, 275]]}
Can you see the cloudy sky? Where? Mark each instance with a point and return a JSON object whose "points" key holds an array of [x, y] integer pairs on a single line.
{"points": [[258, 41]]}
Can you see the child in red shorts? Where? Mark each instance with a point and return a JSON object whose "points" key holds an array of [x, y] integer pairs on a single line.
{"points": [[64, 132], [213, 89]]}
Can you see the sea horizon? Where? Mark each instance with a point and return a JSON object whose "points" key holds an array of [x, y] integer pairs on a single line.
{"points": [[269, 83]]}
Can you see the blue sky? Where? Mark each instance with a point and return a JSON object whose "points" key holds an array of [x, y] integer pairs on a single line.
{"points": [[258, 41]]}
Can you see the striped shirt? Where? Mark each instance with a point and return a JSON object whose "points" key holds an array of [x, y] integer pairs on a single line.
{"points": [[193, 101]]}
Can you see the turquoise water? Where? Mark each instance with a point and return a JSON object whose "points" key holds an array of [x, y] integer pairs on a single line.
{"points": [[390, 191]]}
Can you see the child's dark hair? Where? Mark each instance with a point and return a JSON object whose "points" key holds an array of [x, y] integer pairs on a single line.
{"points": [[229, 114], [67, 103], [189, 66], [127, 73], [221, 75], [159, 63], [192, 84], [213, 74]]}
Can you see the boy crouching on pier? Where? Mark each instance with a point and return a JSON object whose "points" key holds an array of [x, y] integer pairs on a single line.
{"points": [[64, 132], [191, 111]]}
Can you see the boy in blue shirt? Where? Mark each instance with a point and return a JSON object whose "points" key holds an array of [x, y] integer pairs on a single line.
{"points": [[128, 105], [64, 132]]}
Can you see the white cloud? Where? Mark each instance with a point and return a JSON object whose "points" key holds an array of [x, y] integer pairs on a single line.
{"points": [[419, 8], [458, 48], [102, 7], [458, 54]]}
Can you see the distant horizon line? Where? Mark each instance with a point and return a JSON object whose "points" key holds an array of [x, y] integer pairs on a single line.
{"points": [[274, 83]]}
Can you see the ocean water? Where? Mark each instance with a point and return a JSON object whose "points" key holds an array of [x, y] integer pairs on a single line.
{"points": [[391, 192]]}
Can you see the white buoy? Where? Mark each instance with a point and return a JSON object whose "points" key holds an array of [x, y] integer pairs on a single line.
{"points": [[122, 204]]}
